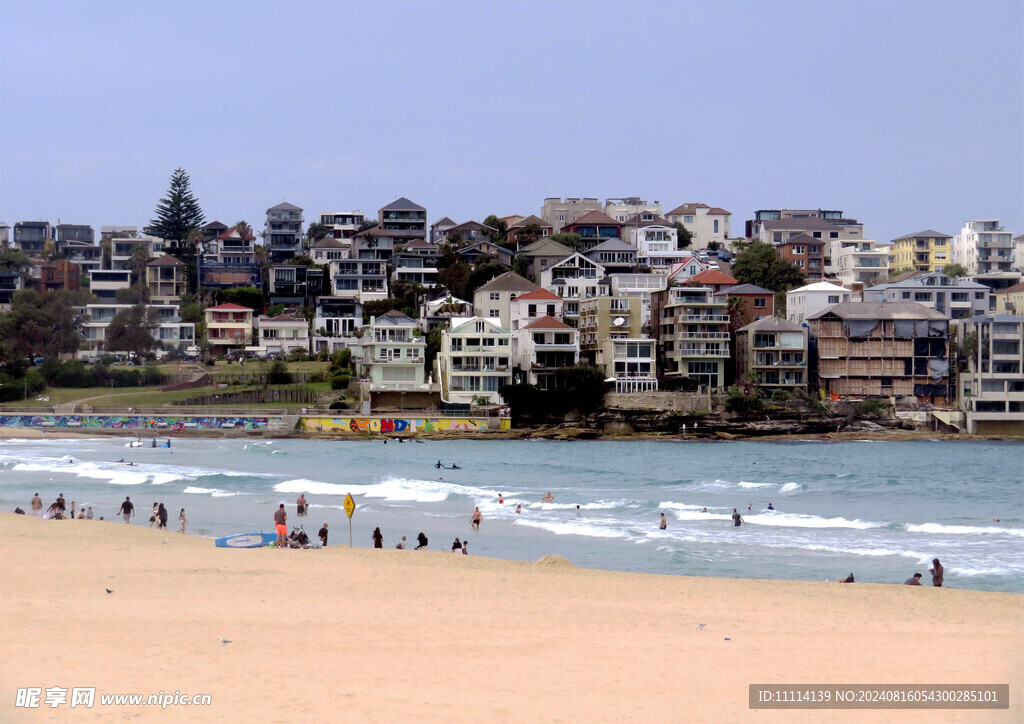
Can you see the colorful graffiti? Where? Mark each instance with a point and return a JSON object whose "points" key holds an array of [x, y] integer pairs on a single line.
{"points": [[388, 424], [133, 422]]}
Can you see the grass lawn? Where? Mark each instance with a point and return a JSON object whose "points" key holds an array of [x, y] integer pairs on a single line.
{"points": [[152, 396]]}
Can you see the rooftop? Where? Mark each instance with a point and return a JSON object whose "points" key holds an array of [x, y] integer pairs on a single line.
{"points": [[772, 324], [508, 282], [547, 322], [880, 310]]}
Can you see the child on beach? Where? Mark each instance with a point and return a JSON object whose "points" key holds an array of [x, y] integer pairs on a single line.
{"points": [[181, 519]]}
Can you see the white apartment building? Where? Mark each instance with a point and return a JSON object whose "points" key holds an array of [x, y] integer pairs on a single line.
{"points": [[574, 278], [986, 249], [956, 298], [639, 286], [541, 347], [170, 333], [657, 244], [528, 308], [343, 224], [705, 223], [393, 353], [810, 299], [992, 387], [859, 262], [105, 283], [558, 212], [281, 334], [493, 300], [628, 206], [475, 360]]}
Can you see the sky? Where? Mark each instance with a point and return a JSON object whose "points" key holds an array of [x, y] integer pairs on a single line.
{"points": [[905, 115]]}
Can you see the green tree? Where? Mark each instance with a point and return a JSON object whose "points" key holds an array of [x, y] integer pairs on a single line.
{"points": [[41, 324], [133, 295], [521, 266], [566, 238], [713, 245], [178, 212], [583, 387], [433, 348], [955, 270], [736, 308], [137, 263], [487, 267], [683, 236], [455, 278], [13, 260], [131, 330], [758, 263], [500, 227], [317, 231], [250, 297]]}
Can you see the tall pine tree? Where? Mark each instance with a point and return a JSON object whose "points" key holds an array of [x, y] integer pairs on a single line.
{"points": [[178, 212]]}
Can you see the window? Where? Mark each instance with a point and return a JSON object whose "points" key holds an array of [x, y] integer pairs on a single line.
{"points": [[979, 295], [538, 338], [922, 296], [905, 295], [831, 235], [551, 310], [494, 296], [760, 302], [563, 338], [716, 226], [816, 234], [531, 310], [494, 313], [833, 299]]}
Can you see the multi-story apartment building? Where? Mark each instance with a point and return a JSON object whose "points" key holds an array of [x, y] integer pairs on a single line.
{"points": [[615, 255], [558, 212], [541, 254], [105, 283], [594, 228], [883, 349], [439, 229], [229, 247], [956, 298], [170, 332], [775, 350], [816, 220], [282, 334], [494, 299], [922, 251], [404, 219], [59, 274], [639, 286], [474, 362], [541, 347], [574, 279], [87, 255], [470, 232], [343, 224], [122, 249], [757, 302], [416, 263], [212, 230], [604, 318], [471, 254], [31, 236], [714, 279], [705, 223], [685, 270], [10, 282], [166, 279], [392, 353], [692, 329], [228, 326], [810, 299], [1018, 253], [365, 278], [5, 233], [860, 262], [656, 241], [806, 252], [283, 235], [624, 208], [294, 284], [376, 243], [992, 385], [986, 249], [336, 318], [631, 362]]}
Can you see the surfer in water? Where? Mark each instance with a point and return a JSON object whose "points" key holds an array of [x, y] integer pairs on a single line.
{"points": [[438, 465], [455, 467]]}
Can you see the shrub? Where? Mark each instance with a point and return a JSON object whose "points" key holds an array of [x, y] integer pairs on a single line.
{"points": [[871, 409], [73, 373], [279, 374], [780, 396], [337, 405], [316, 377], [340, 382], [743, 404]]}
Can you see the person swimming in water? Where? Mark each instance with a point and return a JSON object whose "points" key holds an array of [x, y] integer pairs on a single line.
{"points": [[438, 464], [454, 467], [771, 507]]}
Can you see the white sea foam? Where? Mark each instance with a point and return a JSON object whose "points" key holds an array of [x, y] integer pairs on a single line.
{"points": [[963, 529], [790, 487], [745, 484], [797, 520], [572, 527]]}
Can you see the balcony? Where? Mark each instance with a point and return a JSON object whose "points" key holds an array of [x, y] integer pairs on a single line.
{"points": [[702, 318], [703, 352], [698, 334]]}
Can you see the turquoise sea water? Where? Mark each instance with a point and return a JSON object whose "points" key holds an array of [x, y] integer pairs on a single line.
{"points": [[881, 510]]}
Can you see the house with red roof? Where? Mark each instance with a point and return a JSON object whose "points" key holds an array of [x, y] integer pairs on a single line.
{"points": [[594, 227], [228, 326], [541, 347], [530, 307], [681, 272], [713, 278]]}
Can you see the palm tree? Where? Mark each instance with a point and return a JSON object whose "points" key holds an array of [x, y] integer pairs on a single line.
{"points": [[737, 310]]}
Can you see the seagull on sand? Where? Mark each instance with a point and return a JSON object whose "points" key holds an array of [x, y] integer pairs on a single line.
{"points": [[224, 641], [700, 626], [108, 590]]}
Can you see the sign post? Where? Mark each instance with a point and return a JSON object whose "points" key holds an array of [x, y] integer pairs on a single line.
{"points": [[350, 507]]}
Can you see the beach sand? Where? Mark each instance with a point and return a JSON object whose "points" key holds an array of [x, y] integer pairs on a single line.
{"points": [[403, 636]]}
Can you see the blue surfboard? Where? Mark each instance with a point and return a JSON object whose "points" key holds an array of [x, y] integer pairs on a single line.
{"points": [[246, 540]]}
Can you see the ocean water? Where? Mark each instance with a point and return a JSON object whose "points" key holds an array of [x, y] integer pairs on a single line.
{"points": [[881, 510]]}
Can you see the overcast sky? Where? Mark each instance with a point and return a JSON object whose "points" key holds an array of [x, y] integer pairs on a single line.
{"points": [[906, 116]]}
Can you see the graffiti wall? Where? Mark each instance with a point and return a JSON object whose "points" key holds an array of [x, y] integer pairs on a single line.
{"points": [[387, 424], [134, 422]]}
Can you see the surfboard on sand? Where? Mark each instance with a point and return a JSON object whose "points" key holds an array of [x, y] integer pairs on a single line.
{"points": [[246, 540]]}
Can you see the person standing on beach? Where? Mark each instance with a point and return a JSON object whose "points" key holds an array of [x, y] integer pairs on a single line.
{"points": [[323, 535], [72, 510], [737, 519], [662, 524], [161, 514], [474, 521], [281, 526], [378, 538], [300, 505], [127, 509], [422, 540], [152, 515], [60, 504], [37, 504], [937, 573], [182, 520]]}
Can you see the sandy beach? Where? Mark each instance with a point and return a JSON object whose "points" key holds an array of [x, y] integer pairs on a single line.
{"points": [[432, 636]]}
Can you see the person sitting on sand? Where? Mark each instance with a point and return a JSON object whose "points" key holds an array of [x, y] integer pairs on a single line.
{"points": [[53, 512], [457, 546], [549, 498], [81, 514], [465, 547], [848, 579], [914, 580], [88, 515], [937, 572], [421, 540], [401, 544]]}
